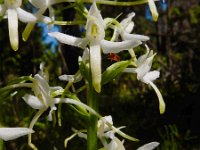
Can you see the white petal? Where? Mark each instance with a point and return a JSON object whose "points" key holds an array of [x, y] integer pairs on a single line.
{"points": [[25, 16], [115, 144], [13, 133], [125, 22], [13, 28], [160, 98], [141, 71], [116, 47], [95, 61], [142, 58], [149, 146], [42, 83], [94, 12], [102, 126], [153, 9], [33, 101], [151, 76], [95, 24], [127, 36], [129, 27], [69, 40]]}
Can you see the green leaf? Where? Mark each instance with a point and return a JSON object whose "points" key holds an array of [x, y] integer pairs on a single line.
{"points": [[114, 70]]}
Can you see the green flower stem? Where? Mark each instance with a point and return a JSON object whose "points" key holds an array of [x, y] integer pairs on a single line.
{"points": [[107, 2], [92, 124]]}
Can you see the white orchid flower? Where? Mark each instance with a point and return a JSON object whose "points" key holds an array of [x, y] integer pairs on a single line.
{"points": [[153, 10], [144, 74], [105, 133], [43, 100], [7, 134], [95, 33], [12, 9]]}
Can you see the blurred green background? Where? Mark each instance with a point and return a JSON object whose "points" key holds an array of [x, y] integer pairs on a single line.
{"points": [[175, 38]]}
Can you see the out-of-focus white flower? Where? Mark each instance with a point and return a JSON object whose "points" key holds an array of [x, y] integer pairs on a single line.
{"points": [[95, 33], [42, 6], [13, 133], [144, 74], [153, 10], [12, 9]]}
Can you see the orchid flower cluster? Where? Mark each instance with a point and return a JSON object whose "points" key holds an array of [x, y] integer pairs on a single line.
{"points": [[45, 97]]}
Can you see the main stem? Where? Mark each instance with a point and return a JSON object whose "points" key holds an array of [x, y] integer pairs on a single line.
{"points": [[92, 124]]}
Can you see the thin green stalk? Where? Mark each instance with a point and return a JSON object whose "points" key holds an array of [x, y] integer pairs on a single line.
{"points": [[92, 125]]}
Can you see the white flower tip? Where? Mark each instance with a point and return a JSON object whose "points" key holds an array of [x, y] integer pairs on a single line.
{"points": [[162, 106], [97, 87], [153, 9], [15, 45], [160, 98], [149, 146]]}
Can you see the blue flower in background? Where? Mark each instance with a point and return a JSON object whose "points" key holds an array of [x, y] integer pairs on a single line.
{"points": [[46, 39]]}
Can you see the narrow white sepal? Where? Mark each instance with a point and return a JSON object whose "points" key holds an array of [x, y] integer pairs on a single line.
{"points": [[149, 146], [13, 28], [116, 47], [25, 16], [33, 101], [127, 36], [13, 133], [69, 40]]}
